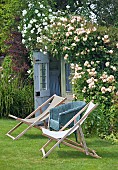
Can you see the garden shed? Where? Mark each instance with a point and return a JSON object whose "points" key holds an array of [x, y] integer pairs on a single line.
{"points": [[51, 76]]}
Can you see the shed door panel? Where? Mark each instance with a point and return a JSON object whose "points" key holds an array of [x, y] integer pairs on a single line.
{"points": [[41, 78]]}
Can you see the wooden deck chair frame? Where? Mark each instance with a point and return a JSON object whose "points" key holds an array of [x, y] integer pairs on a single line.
{"points": [[82, 147], [32, 122]]}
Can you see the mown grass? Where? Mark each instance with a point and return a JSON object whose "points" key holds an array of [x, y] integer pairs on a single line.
{"points": [[24, 153]]}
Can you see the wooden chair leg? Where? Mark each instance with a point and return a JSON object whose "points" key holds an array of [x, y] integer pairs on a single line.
{"points": [[83, 140]]}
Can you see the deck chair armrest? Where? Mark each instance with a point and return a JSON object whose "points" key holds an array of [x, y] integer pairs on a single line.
{"points": [[64, 117], [40, 107], [54, 114], [12, 116]]}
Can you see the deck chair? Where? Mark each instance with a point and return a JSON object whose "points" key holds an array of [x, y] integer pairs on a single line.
{"points": [[61, 136], [34, 122]]}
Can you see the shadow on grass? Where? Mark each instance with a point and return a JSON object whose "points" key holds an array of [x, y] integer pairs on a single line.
{"points": [[73, 154], [109, 154], [98, 142], [76, 154], [105, 149]]}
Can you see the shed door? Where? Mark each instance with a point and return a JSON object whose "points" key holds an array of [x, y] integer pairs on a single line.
{"points": [[41, 78]]}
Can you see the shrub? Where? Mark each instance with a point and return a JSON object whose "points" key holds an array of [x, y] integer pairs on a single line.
{"points": [[16, 96]]}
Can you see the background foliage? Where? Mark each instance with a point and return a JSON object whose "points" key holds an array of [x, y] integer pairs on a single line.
{"points": [[16, 95]]}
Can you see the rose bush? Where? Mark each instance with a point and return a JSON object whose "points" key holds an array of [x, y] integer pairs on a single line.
{"points": [[92, 57], [93, 63]]}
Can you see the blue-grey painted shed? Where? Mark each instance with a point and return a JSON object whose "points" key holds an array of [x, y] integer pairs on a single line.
{"points": [[51, 76]]}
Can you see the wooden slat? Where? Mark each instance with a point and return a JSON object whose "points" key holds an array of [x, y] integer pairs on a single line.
{"points": [[43, 151], [10, 136]]}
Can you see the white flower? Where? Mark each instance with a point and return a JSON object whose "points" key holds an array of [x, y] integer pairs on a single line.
{"points": [[88, 31], [24, 12], [79, 68], [29, 39], [45, 27], [113, 68], [92, 62], [18, 27], [86, 63], [73, 20], [39, 39], [66, 56], [36, 11], [70, 28], [29, 71], [73, 44], [38, 14], [89, 81], [50, 10], [59, 23], [76, 39], [31, 21], [24, 32], [107, 64], [44, 52], [95, 43], [110, 78], [84, 38], [29, 5], [67, 6], [74, 96], [23, 35], [68, 33], [93, 49], [34, 20], [106, 36], [41, 50], [84, 90], [41, 6], [79, 18], [93, 69], [46, 47], [32, 31], [39, 30], [94, 29], [82, 53], [110, 51], [108, 89], [91, 85], [29, 26], [72, 65], [36, 25], [103, 90], [63, 19], [23, 41], [112, 88], [45, 23], [116, 45]]}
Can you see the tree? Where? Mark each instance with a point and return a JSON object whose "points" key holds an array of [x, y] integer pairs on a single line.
{"points": [[9, 10]]}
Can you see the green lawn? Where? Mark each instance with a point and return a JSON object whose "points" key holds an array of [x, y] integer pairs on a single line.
{"points": [[24, 153]]}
